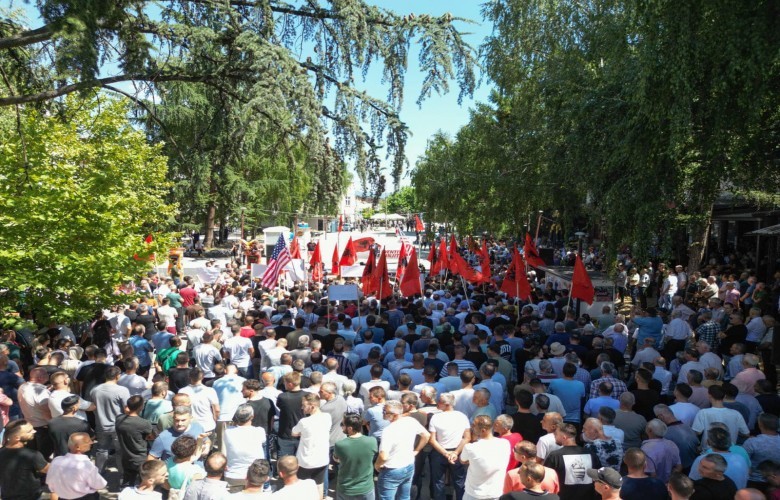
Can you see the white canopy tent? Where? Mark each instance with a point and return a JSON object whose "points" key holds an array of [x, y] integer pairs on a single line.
{"points": [[381, 216]]}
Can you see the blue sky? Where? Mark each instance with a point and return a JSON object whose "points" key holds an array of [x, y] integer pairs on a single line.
{"points": [[438, 112]]}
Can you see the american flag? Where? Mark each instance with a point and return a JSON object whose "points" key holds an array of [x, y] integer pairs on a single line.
{"points": [[279, 258]]}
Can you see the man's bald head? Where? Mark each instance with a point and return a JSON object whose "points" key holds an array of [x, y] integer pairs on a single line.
{"points": [[181, 400], [79, 443]]}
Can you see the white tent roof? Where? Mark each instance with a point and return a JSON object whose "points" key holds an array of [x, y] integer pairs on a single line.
{"points": [[387, 217]]}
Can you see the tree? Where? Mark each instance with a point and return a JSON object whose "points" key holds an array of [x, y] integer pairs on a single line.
{"points": [[631, 115], [402, 201], [83, 191], [291, 65]]}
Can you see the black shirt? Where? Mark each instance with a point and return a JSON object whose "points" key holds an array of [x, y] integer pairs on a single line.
{"points": [[476, 357], [178, 378], [148, 322], [132, 432], [571, 470], [60, 429], [528, 425], [19, 478], [91, 376], [646, 399], [264, 413], [643, 488], [290, 412], [710, 489], [770, 403]]}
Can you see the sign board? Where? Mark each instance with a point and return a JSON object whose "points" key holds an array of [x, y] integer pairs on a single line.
{"points": [[343, 292], [207, 274], [296, 270], [258, 270], [355, 271]]}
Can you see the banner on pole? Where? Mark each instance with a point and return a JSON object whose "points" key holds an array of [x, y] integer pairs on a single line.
{"points": [[258, 270], [355, 271], [343, 292]]}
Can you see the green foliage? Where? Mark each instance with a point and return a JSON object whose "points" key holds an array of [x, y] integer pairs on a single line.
{"points": [[291, 65], [82, 190], [403, 201], [632, 115]]}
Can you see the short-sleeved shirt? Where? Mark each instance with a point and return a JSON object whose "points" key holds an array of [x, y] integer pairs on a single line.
{"points": [[110, 401], [161, 448], [571, 464], [202, 398], [60, 429], [662, 456], [132, 432], [732, 418], [356, 458], [141, 350], [314, 448], [19, 474], [376, 421], [571, 393], [643, 488], [398, 440], [488, 459]]}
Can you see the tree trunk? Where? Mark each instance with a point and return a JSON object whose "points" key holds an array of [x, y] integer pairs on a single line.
{"points": [[699, 231], [211, 215]]}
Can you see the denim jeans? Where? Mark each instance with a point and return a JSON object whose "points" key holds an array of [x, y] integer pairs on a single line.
{"points": [[107, 441], [439, 466], [366, 496], [286, 447], [395, 484]]}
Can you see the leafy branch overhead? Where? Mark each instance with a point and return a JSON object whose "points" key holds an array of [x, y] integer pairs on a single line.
{"points": [[291, 65]]}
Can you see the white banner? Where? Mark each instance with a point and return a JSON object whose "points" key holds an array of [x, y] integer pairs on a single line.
{"points": [[296, 270], [355, 271], [258, 270]]}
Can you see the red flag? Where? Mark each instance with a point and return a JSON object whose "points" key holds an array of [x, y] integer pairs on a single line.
{"points": [[334, 261], [399, 272], [148, 239], [382, 278], [465, 270], [581, 286], [369, 283], [341, 223], [442, 261], [515, 282], [452, 265], [316, 263], [531, 254], [295, 248], [484, 262], [349, 256], [418, 224], [433, 259], [410, 283]]}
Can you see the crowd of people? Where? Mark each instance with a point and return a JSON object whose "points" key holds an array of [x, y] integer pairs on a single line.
{"points": [[228, 390]]}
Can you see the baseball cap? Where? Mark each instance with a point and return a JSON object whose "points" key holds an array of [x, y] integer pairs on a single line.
{"points": [[606, 475]]}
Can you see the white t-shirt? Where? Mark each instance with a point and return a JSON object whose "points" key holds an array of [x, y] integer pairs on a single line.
{"points": [[314, 448], [55, 404], [366, 387], [546, 445], [205, 357], [449, 427], [133, 493], [136, 384], [398, 442], [238, 348], [732, 418], [303, 488], [244, 445], [488, 459], [670, 284], [202, 398], [167, 315]]}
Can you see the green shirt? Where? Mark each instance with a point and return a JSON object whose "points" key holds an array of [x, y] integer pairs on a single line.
{"points": [[356, 469], [175, 299], [167, 358]]}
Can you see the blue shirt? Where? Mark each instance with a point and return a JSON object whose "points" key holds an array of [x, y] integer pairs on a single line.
{"points": [[228, 389], [161, 340], [593, 405], [362, 350], [161, 447], [363, 375], [141, 350], [570, 393], [650, 326], [376, 421]]}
